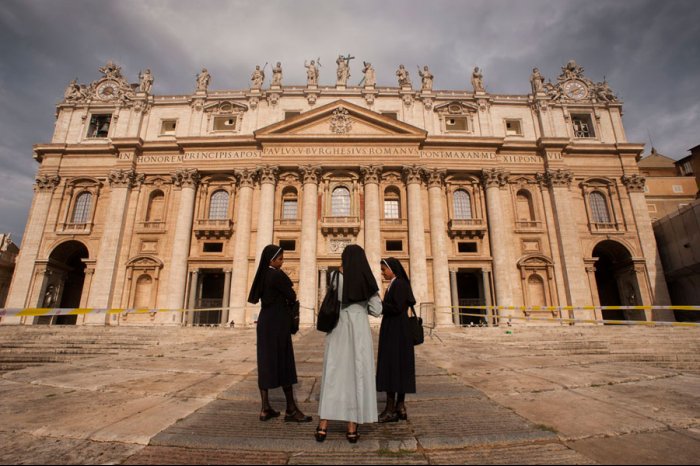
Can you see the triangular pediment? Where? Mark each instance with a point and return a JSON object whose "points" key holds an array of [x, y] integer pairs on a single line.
{"points": [[340, 120]]}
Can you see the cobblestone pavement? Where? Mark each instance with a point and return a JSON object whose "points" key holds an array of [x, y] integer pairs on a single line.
{"points": [[189, 396]]}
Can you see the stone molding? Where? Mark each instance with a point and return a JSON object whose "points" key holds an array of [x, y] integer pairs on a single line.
{"points": [[186, 178], [494, 177], [268, 174], [371, 174], [121, 178], [559, 178], [310, 174], [246, 178], [436, 177], [46, 183], [634, 183], [413, 174]]}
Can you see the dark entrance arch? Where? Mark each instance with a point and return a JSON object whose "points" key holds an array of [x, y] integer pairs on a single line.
{"points": [[64, 286], [617, 281]]}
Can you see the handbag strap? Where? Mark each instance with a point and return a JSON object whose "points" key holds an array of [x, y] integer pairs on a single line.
{"points": [[414, 312]]}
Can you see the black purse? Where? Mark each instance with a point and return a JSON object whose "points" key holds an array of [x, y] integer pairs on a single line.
{"points": [[329, 313], [415, 324], [294, 317]]}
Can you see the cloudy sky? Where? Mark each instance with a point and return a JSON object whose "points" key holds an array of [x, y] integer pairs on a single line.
{"points": [[649, 51]]}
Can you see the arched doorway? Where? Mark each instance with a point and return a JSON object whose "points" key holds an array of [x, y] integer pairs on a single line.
{"points": [[616, 280], [63, 287]]}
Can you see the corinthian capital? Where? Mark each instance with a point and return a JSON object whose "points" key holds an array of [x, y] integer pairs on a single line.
{"points": [[634, 183], [268, 174], [436, 177], [310, 174], [46, 183], [371, 174], [494, 177], [187, 178], [413, 174], [121, 178], [246, 177], [558, 178]]}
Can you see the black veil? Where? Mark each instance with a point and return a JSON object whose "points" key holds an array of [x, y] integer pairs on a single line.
{"points": [[270, 252], [359, 283], [400, 272]]}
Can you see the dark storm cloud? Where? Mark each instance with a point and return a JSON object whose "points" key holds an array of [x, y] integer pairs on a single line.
{"points": [[647, 50]]}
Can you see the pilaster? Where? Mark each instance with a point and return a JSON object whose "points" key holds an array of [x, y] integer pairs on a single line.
{"points": [[438, 238], [309, 236], [413, 177]]}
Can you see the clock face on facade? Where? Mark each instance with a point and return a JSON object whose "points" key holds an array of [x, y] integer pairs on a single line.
{"points": [[575, 90], [107, 90]]}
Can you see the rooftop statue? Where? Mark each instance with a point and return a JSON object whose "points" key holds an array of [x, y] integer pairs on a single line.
{"points": [[370, 78], [277, 75], [426, 78], [111, 70], [311, 73], [146, 81], [571, 71], [73, 92], [343, 72], [404, 79], [203, 80], [257, 77], [478, 80], [537, 81]]}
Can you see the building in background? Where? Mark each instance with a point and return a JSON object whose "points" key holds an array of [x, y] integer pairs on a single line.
{"points": [[669, 187], [165, 201], [8, 256]]}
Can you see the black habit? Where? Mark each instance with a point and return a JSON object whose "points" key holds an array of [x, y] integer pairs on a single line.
{"points": [[276, 367], [396, 361]]}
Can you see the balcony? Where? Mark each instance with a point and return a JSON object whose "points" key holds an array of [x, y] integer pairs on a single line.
{"points": [[394, 224], [605, 227], [151, 227], [287, 224], [528, 226], [468, 227], [75, 228], [213, 228], [340, 225]]}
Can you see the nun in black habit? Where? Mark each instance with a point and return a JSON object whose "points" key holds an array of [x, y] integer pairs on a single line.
{"points": [[396, 362], [276, 367]]}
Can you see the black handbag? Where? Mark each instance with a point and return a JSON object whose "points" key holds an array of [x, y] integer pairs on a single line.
{"points": [[294, 317], [415, 324], [329, 313]]}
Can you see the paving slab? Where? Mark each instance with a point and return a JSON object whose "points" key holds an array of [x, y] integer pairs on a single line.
{"points": [[185, 456], [551, 453], [666, 447]]}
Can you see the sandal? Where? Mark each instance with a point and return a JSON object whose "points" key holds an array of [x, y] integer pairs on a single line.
{"points": [[321, 433], [296, 416], [268, 414], [352, 437]]}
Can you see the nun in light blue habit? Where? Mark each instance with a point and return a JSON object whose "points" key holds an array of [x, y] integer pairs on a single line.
{"points": [[348, 385]]}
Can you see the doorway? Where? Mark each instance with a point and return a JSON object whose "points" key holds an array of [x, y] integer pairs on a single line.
{"points": [[470, 293], [210, 295], [64, 282], [616, 280]]}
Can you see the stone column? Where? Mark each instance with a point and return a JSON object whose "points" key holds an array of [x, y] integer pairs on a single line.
{"points": [[187, 180], [413, 176], [29, 251], [455, 297], [192, 301], [227, 297], [266, 211], [493, 180], [659, 292], [575, 276], [486, 282], [373, 246], [241, 247], [309, 231], [120, 182], [438, 242]]}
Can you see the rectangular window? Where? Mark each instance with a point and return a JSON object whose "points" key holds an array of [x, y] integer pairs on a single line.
{"points": [[513, 128], [677, 188], [288, 244], [394, 245], [466, 246], [291, 114], [391, 208], [456, 124], [213, 247], [583, 126], [224, 123], [167, 127], [289, 209], [99, 126]]}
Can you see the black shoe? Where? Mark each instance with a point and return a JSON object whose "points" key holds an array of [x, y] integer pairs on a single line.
{"points": [[352, 437], [403, 415], [389, 416], [296, 416], [321, 434], [268, 414]]}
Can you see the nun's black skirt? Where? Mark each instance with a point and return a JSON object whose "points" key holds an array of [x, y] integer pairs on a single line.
{"points": [[276, 367]]}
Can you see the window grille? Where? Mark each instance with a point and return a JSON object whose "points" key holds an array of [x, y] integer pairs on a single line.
{"points": [[218, 209], [463, 205], [340, 202], [599, 208], [289, 209], [391, 208], [82, 208], [582, 128]]}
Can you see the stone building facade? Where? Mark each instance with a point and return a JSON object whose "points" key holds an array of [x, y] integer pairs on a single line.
{"points": [[150, 201], [8, 256]]}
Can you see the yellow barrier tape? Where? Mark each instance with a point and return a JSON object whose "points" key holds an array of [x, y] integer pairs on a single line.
{"points": [[575, 321]]}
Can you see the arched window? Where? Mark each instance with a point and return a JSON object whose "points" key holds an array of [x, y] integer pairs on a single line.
{"points": [[536, 293], [599, 208], [290, 204], [81, 211], [218, 208], [392, 203], [156, 207], [144, 285], [526, 211], [340, 202], [462, 205]]}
